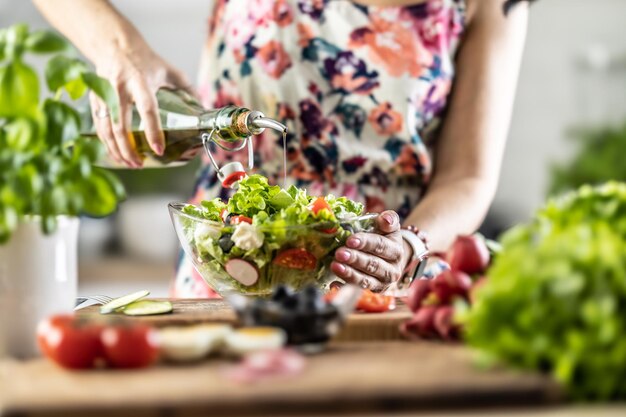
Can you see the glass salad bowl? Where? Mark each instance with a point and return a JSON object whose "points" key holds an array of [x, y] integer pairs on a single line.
{"points": [[241, 258]]}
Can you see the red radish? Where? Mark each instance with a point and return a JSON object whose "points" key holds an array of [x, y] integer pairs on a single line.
{"points": [[418, 291], [450, 284], [242, 271], [421, 324], [233, 178], [469, 254], [444, 323]]}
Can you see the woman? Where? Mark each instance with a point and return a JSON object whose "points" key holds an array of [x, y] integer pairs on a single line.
{"points": [[402, 104]]}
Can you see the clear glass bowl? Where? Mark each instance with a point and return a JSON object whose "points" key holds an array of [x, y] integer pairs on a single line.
{"points": [[320, 239]]}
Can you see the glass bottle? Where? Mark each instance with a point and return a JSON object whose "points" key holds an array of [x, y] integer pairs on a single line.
{"points": [[187, 126]]}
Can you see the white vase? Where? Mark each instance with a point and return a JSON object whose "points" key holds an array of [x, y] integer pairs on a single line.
{"points": [[37, 279]]}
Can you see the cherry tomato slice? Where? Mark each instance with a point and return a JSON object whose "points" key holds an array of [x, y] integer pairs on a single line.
{"points": [[371, 302], [319, 204], [130, 346], [70, 342], [240, 219], [296, 258], [233, 178]]}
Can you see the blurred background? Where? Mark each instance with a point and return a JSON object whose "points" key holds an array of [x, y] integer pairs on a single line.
{"points": [[569, 127]]}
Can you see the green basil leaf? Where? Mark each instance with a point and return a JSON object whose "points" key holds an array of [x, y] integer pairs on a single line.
{"points": [[14, 40], [63, 123], [45, 41], [3, 44], [61, 70], [20, 133], [102, 200], [76, 88], [30, 181], [19, 90], [114, 182], [9, 220], [48, 223], [103, 89]]}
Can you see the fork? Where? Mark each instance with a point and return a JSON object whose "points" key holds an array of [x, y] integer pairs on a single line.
{"points": [[97, 299]]}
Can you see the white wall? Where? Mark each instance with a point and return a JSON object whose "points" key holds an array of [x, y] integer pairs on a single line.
{"points": [[552, 92]]}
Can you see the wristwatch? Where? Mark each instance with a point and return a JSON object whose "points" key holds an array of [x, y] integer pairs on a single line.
{"points": [[418, 240]]}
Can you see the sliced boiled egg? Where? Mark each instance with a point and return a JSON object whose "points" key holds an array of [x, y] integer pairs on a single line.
{"points": [[192, 343], [253, 339]]}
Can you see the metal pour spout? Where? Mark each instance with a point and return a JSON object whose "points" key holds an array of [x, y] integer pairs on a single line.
{"points": [[257, 122]]}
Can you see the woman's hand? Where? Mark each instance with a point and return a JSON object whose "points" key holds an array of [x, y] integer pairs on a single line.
{"points": [[136, 76], [373, 260]]}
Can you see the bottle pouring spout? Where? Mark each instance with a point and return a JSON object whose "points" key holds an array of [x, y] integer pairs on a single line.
{"points": [[257, 122], [267, 123]]}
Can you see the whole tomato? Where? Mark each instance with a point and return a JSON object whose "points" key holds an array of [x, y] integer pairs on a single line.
{"points": [[70, 342], [130, 346]]}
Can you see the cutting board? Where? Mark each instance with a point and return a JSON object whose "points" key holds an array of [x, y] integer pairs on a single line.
{"points": [[358, 326], [348, 377]]}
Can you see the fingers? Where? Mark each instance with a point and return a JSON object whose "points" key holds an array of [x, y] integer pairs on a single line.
{"points": [[148, 110], [375, 244], [388, 222], [103, 128], [369, 264], [353, 276], [121, 130]]}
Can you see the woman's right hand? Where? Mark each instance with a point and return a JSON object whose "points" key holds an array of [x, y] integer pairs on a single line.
{"points": [[136, 75]]}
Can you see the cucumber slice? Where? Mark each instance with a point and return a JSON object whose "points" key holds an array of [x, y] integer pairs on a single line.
{"points": [[148, 308], [111, 306]]}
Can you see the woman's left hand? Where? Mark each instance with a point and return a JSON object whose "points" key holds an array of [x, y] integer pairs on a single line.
{"points": [[373, 260]]}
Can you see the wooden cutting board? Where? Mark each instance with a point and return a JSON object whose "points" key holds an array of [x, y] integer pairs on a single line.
{"points": [[358, 326], [348, 377]]}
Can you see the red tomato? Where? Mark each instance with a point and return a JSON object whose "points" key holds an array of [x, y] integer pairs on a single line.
{"points": [[319, 204], [70, 342], [371, 302], [233, 178], [240, 219], [296, 258], [131, 346]]}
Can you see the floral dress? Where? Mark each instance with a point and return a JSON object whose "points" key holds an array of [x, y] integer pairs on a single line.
{"points": [[360, 88]]}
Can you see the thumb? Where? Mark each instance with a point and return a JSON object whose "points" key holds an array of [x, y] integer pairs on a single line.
{"points": [[388, 222]]}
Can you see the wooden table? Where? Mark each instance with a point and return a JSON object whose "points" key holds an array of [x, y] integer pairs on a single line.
{"points": [[373, 373], [358, 327]]}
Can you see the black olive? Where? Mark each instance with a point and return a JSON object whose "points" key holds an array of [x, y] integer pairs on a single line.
{"points": [[225, 242], [281, 292], [290, 302], [228, 218], [348, 227]]}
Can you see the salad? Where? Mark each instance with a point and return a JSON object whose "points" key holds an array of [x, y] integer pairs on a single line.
{"points": [[266, 236]]}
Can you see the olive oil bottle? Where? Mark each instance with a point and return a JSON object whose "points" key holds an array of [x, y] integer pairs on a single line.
{"points": [[187, 126]]}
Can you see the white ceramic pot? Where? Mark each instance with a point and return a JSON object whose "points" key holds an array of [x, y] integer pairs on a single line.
{"points": [[37, 278]]}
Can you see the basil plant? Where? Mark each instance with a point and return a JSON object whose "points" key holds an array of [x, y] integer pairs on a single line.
{"points": [[46, 167]]}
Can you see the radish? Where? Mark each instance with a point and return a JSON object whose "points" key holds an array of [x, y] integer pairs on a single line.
{"points": [[242, 271], [418, 291], [450, 284], [469, 254], [444, 323], [421, 324]]}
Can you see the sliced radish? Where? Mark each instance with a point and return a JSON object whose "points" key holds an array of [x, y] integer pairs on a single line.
{"points": [[242, 271]]}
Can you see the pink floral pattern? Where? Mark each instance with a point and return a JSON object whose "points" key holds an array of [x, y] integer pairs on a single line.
{"points": [[360, 88]]}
